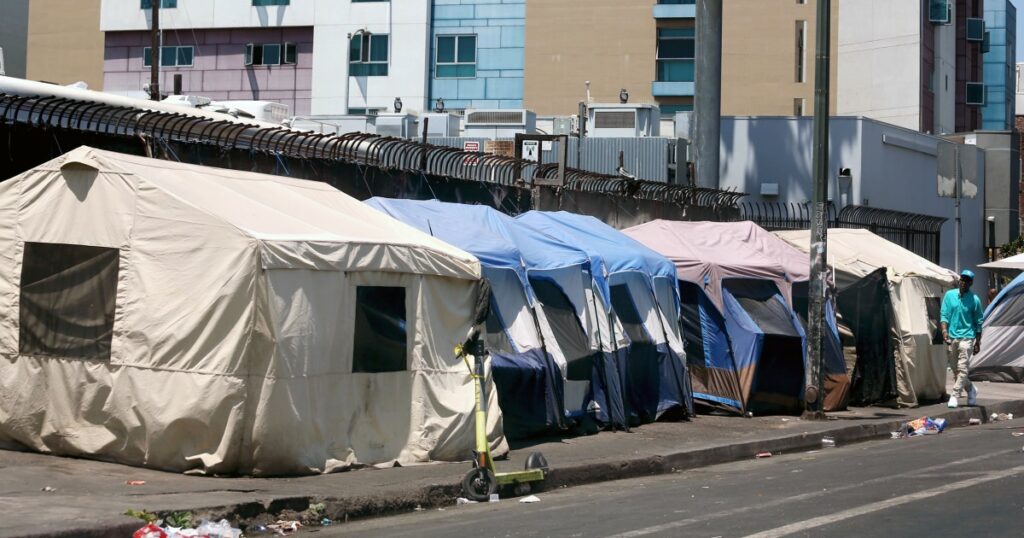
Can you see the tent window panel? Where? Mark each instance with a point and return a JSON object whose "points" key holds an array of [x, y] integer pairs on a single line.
{"points": [[380, 340], [1010, 313], [496, 339], [68, 294], [802, 300], [761, 299], [693, 334], [934, 307], [569, 334], [628, 315]]}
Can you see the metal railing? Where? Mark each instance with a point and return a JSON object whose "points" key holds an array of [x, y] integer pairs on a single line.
{"points": [[386, 153], [915, 232]]}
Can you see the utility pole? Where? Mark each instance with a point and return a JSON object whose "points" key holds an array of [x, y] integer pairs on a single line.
{"points": [[155, 53], [707, 110], [814, 395]]}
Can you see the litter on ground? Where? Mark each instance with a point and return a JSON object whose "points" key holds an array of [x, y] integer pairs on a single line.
{"points": [[530, 499]]}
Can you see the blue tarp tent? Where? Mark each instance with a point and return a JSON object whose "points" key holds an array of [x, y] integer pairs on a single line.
{"points": [[543, 315], [627, 277]]}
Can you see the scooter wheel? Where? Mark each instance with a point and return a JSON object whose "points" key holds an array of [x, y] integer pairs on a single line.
{"points": [[479, 484]]}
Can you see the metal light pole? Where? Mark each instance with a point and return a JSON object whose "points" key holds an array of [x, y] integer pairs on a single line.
{"points": [[815, 393], [155, 53], [707, 109]]}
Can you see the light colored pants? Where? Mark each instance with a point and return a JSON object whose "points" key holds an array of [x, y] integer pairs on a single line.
{"points": [[959, 355]]}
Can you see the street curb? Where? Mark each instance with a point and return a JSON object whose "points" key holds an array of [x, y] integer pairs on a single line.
{"points": [[344, 509]]}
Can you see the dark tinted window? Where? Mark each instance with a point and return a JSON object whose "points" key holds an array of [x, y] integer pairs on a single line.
{"points": [[628, 315], [380, 331], [67, 300]]}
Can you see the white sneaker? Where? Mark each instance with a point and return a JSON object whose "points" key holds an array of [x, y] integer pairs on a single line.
{"points": [[952, 402], [972, 396]]}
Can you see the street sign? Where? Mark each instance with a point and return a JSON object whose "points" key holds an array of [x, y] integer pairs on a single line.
{"points": [[531, 150], [470, 146]]}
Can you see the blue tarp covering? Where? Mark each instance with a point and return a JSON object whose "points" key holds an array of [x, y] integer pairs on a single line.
{"points": [[653, 376], [498, 240]]}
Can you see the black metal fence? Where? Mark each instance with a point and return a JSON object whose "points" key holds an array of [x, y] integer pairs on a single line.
{"points": [[915, 232]]}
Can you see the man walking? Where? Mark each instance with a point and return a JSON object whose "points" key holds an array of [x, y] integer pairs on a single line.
{"points": [[961, 329]]}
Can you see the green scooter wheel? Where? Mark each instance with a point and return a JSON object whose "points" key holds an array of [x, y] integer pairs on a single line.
{"points": [[479, 484]]}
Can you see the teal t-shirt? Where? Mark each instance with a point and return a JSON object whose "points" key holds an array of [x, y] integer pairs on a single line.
{"points": [[963, 314]]}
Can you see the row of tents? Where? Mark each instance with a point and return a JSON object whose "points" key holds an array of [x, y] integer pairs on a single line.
{"points": [[197, 319]]}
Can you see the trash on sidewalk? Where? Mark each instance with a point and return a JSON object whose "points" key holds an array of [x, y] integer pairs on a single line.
{"points": [[220, 529], [282, 526], [530, 499], [463, 500], [828, 442], [974, 422], [763, 455], [326, 522], [996, 417], [150, 530], [921, 426], [48, 489], [1017, 434], [135, 482], [494, 498]]}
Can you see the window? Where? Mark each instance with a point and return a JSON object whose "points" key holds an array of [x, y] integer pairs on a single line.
{"points": [[368, 55], [380, 341], [801, 50], [976, 30], [975, 93], [270, 54], [456, 56], [630, 318], [565, 325], [355, 1], [170, 56], [675, 54], [939, 11], [677, 1], [798, 106], [67, 300], [164, 4], [257, 3]]}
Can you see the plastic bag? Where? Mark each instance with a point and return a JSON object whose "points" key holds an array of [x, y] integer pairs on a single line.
{"points": [[149, 531]]}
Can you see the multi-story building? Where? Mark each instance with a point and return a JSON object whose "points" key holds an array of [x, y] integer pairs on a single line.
{"points": [[911, 63], [1000, 61], [768, 65], [476, 53], [644, 47], [57, 41], [317, 56]]}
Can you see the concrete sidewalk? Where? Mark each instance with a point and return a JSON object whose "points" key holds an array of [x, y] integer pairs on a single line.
{"points": [[90, 496]]}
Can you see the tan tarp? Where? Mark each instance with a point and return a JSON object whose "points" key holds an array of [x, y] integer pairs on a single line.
{"points": [[232, 341], [854, 253]]}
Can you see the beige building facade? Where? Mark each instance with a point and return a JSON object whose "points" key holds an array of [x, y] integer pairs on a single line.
{"points": [[65, 44], [768, 54], [611, 43]]}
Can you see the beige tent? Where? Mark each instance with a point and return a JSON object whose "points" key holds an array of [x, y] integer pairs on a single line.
{"points": [[916, 289], [196, 319]]}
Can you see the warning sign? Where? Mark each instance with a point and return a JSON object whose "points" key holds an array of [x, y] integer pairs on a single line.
{"points": [[531, 150], [471, 146]]}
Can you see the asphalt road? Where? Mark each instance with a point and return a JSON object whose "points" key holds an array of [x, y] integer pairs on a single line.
{"points": [[965, 482]]}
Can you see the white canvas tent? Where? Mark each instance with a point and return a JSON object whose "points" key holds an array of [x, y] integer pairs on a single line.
{"points": [[191, 318], [1013, 263], [916, 289]]}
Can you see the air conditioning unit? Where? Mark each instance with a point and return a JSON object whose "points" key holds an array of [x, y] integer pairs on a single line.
{"points": [[397, 125], [334, 124], [439, 124], [616, 120], [500, 123]]}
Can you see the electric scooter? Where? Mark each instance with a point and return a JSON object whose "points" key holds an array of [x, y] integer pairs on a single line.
{"points": [[482, 480]]}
